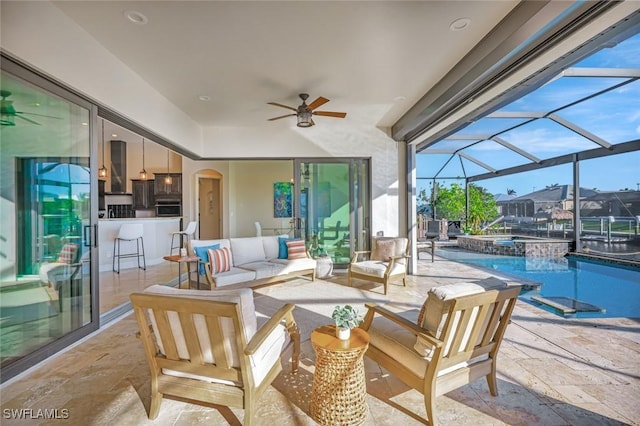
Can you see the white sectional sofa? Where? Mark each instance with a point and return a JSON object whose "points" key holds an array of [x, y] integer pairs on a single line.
{"points": [[254, 261]]}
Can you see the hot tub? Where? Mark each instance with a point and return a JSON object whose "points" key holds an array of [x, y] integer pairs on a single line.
{"points": [[511, 245]]}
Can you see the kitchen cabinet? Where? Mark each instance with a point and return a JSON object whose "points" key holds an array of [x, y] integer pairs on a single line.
{"points": [[143, 194], [162, 190]]}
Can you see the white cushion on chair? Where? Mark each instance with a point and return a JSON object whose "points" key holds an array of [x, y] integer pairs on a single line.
{"points": [[376, 268], [399, 247], [262, 361], [433, 314], [397, 342], [244, 297]]}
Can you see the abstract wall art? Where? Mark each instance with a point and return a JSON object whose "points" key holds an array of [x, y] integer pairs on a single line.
{"points": [[282, 197]]}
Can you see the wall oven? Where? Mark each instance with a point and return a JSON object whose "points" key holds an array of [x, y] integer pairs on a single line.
{"points": [[168, 208]]}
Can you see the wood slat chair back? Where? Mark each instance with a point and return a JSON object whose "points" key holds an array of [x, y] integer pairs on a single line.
{"points": [[464, 350]]}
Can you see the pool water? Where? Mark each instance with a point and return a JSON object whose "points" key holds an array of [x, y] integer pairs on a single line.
{"points": [[615, 290]]}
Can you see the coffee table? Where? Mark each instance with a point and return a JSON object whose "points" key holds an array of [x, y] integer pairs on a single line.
{"points": [[338, 395]]}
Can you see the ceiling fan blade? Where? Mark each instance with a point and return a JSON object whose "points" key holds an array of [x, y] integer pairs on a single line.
{"points": [[282, 106], [318, 102], [282, 116], [331, 114], [29, 120], [39, 115]]}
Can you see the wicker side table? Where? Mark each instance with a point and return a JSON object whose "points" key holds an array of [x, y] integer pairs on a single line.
{"points": [[338, 395]]}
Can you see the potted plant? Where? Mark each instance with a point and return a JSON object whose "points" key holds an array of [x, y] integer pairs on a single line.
{"points": [[346, 318]]}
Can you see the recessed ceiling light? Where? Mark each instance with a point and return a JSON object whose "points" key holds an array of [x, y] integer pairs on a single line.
{"points": [[84, 123], [136, 17], [113, 135], [399, 98], [460, 24], [204, 98]]}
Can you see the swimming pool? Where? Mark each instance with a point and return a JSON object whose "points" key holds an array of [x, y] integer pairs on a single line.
{"points": [[614, 290]]}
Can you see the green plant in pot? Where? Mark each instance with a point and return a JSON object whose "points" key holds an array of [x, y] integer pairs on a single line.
{"points": [[346, 318]]}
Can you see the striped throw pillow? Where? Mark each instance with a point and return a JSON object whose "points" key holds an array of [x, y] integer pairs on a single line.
{"points": [[68, 253], [219, 260], [296, 249]]}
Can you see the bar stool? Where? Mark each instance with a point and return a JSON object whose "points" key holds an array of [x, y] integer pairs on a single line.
{"points": [[129, 232], [188, 232]]}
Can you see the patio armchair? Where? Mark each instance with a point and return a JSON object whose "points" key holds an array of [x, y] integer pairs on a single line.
{"points": [[61, 274], [384, 263], [453, 342], [208, 347]]}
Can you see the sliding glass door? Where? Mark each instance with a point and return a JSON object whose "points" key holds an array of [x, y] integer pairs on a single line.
{"points": [[47, 199], [332, 206]]}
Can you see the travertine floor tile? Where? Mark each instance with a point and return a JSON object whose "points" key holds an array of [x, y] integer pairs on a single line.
{"points": [[551, 370]]}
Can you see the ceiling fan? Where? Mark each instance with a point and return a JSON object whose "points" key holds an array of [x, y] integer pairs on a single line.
{"points": [[8, 113], [304, 111]]}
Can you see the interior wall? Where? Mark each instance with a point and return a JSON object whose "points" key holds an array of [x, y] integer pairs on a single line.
{"points": [[253, 189], [191, 171]]}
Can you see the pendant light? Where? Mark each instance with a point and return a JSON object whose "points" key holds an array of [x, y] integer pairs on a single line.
{"points": [[143, 172], [168, 180], [102, 171]]}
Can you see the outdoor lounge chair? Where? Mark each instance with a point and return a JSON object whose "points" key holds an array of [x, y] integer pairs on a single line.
{"points": [[454, 341], [385, 263], [207, 346]]}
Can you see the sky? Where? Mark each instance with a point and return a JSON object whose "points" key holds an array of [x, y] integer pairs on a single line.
{"points": [[613, 116]]}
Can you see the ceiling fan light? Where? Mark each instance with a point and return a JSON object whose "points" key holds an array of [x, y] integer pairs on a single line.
{"points": [[304, 119]]}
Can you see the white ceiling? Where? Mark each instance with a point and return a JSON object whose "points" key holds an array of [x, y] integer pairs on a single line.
{"points": [[373, 60]]}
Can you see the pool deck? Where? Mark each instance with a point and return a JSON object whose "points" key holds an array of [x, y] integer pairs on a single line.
{"points": [[551, 371]]}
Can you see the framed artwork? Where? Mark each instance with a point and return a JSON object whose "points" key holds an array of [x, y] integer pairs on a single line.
{"points": [[282, 206]]}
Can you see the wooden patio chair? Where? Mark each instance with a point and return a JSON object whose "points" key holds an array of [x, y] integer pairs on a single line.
{"points": [[384, 263], [207, 346], [454, 341]]}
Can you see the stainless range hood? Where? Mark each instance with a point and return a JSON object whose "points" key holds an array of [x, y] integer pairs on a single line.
{"points": [[118, 167]]}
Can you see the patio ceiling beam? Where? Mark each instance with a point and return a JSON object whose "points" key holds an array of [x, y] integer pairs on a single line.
{"points": [[439, 151], [478, 162], [563, 159], [442, 178], [467, 137], [579, 130], [516, 149], [601, 72], [517, 114]]}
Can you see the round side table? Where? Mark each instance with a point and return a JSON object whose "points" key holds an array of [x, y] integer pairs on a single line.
{"points": [[338, 395]]}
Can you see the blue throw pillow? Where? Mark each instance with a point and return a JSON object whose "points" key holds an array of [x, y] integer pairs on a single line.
{"points": [[283, 252], [203, 254]]}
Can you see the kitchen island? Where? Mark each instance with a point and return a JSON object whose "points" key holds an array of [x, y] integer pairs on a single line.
{"points": [[156, 237]]}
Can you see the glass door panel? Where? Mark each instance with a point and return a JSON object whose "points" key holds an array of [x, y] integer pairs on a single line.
{"points": [[46, 227], [331, 206]]}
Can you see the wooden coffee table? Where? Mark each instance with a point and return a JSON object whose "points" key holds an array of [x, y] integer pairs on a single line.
{"points": [[338, 395]]}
